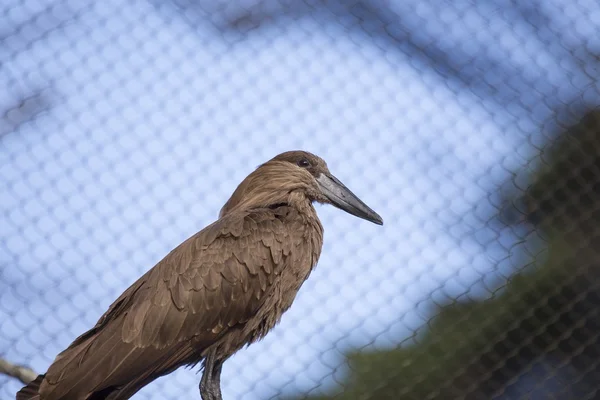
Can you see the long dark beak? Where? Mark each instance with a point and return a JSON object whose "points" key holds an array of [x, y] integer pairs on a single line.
{"points": [[341, 197]]}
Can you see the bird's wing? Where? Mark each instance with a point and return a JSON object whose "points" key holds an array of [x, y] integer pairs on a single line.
{"points": [[213, 281]]}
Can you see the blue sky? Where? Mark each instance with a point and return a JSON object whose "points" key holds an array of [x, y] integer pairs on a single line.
{"points": [[157, 110]]}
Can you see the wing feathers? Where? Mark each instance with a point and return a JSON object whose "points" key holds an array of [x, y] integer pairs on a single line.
{"points": [[179, 293], [161, 298], [232, 270], [151, 327], [213, 281], [169, 331]]}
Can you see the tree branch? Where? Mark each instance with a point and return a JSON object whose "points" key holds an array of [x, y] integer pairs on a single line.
{"points": [[24, 374]]}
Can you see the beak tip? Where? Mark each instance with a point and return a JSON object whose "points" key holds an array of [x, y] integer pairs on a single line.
{"points": [[341, 197]]}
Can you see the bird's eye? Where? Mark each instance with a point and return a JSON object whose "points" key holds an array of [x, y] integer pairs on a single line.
{"points": [[303, 163]]}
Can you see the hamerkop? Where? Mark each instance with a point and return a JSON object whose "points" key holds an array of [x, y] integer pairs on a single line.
{"points": [[221, 289]]}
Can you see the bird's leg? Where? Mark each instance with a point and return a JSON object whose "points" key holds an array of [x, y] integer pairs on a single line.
{"points": [[216, 378], [210, 384]]}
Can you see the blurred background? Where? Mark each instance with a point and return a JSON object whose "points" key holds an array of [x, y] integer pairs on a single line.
{"points": [[470, 126]]}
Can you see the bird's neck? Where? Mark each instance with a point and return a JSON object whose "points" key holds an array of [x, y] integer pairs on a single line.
{"points": [[300, 202], [267, 197], [265, 187]]}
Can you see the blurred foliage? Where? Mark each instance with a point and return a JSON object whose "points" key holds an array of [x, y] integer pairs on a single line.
{"points": [[546, 316], [564, 198]]}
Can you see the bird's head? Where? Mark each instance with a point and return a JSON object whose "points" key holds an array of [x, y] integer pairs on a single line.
{"points": [[294, 177]]}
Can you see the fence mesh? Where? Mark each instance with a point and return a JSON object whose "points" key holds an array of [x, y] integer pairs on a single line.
{"points": [[470, 126]]}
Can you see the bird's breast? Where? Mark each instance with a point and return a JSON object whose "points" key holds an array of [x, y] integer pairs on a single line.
{"points": [[294, 248], [298, 264]]}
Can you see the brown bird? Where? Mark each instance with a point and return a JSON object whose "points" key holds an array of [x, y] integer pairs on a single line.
{"points": [[223, 288]]}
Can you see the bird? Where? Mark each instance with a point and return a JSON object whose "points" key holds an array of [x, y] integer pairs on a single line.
{"points": [[220, 290]]}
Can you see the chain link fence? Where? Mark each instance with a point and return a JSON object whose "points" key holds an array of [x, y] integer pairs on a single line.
{"points": [[470, 126]]}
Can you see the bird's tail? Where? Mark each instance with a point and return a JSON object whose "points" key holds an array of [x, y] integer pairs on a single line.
{"points": [[31, 391]]}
